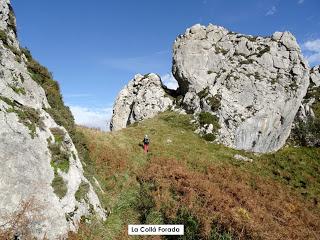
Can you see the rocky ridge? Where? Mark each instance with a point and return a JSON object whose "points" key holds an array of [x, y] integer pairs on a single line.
{"points": [[250, 87], [142, 98], [39, 162]]}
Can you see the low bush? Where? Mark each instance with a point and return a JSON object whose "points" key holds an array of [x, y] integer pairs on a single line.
{"points": [[82, 191], [215, 102], [307, 133], [222, 202], [58, 134], [59, 186], [203, 93]]}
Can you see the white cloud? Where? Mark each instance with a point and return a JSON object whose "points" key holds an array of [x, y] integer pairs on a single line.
{"points": [[271, 11], [313, 45], [311, 50], [300, 1], [96, 118], [169, 81]]}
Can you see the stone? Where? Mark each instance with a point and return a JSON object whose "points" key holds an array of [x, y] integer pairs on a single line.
{"points": [[242, 158], [143, 98], [254, 85], [259, 86], [315, 75], [26, 131]]}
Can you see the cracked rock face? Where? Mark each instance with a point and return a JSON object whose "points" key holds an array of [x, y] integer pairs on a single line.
{"points": [[142, 98], [255, 85], [26, 132]]}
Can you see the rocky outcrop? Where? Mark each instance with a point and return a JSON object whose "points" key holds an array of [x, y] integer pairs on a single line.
{"points": [[315, 76], [39, 162], [144, 97], [254, 85], [244, 90]]}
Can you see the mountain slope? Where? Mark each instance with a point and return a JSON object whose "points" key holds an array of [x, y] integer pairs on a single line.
{"points": [[184, 179], [43, 190]]}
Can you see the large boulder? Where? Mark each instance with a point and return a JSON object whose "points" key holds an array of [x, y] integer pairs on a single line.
{"points": [[143, 97], [254, 85], [41, 174]]}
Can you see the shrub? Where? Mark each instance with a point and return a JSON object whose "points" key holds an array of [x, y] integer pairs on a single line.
{"points": [[18, 90], [7, 101], [204, 93], [58, 111], [60, 157], [210, 137], [207, 118], [191, 225], [215, 102], [215, 201], [145, 202], [82, 191], [58, 134], [59, 186], [3, 37], [307, 133]]}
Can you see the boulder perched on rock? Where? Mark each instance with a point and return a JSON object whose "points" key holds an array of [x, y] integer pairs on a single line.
{"points": [[142, 98], [254, 85], [41, 173]]}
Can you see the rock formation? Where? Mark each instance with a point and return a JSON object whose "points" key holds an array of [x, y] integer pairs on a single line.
{"points": [[39, 162], [252, 85], [142, 98], [306, 129], [260, 83]]}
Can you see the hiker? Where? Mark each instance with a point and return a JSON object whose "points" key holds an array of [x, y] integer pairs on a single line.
{"points": [[146, 142]]}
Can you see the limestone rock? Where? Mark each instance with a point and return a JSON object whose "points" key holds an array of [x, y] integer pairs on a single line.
{"points": [[315, 75], [142, 98], [254, 85], [26, 133], [306, 128], [242, 158]]}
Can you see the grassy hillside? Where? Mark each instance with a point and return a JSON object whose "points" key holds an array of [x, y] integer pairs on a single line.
{"points": [[187, 180]]}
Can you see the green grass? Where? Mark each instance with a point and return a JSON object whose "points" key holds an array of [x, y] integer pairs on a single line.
{"points": [[117, 159], [60, 157], [18, 90], [58, 134]]}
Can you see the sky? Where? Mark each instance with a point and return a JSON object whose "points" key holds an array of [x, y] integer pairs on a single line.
{"points": [[94, 48]]}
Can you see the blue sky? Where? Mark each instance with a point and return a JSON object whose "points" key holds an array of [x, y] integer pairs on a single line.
{"points": [[95, 47]]}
